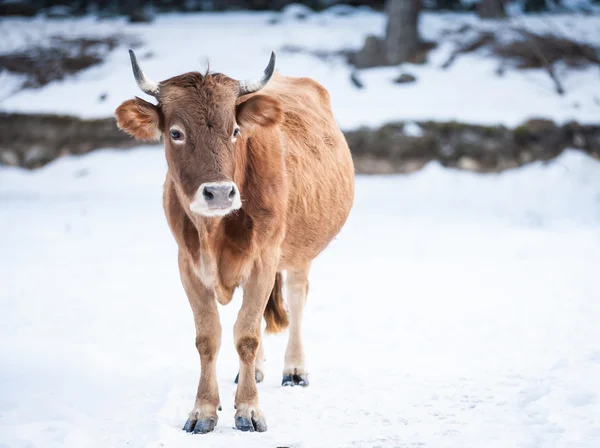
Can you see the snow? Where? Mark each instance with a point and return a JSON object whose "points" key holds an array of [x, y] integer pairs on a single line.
{"points": [[453, 310], [239, 44]]}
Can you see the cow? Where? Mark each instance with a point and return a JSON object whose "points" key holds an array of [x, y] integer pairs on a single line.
{"points": [[259, 181]]}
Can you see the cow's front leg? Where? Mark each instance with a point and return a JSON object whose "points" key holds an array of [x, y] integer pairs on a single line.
{"points": [[203, 418], [247, 336], [259, 364]]}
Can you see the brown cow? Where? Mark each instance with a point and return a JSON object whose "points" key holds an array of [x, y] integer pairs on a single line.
{"points": [[257, 183]]}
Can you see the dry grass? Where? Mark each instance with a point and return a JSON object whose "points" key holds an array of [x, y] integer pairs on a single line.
{"points": [[531, 50], [538, 50]]}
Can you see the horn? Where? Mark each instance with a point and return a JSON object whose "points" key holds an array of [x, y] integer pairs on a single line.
{"points": [[253, 85], [147, 86]]}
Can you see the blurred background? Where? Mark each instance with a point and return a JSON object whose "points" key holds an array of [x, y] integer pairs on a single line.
{"points": [[458, 306], [483, 85]]}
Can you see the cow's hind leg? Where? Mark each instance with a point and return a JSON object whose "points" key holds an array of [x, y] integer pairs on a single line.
{"points": [[294, 372], [203, 418]]}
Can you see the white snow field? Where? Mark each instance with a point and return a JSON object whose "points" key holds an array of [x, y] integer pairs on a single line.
{"points": [[454, 310], [239, 44]]}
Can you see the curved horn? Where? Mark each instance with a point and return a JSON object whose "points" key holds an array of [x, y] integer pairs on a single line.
{"points": [[147, 86], [253, 85]]}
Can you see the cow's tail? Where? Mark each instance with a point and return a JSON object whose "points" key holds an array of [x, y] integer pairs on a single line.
{"points": [[275, 314]]}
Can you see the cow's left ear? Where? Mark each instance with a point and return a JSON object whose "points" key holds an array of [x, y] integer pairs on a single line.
{"points": [[260, 110]]}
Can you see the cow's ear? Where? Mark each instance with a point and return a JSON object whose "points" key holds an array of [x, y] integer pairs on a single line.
{"points": [[260, 110], [140, 119]]}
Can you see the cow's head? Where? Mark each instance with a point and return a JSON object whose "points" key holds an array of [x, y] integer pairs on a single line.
{"points": [[201, 117]]}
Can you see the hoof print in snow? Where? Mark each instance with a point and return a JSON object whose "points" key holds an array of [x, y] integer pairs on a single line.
{"points": [[292, 379], [200, 426], [250, 424]]}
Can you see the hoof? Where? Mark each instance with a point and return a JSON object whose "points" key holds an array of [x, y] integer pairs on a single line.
{"points": [[250, 424], [202, 426], [258, 376], [292, 379]]}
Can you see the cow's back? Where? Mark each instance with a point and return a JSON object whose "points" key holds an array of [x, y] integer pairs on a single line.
{"points": [[319, 168]]}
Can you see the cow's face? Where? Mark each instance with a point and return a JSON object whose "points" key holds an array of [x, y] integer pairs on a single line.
{"points": [[201, 120]]}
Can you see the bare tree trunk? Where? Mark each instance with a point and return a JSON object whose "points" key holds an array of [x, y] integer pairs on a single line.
{"points": [[402, 33], [402, 41], [491, 9], [135, 10]]}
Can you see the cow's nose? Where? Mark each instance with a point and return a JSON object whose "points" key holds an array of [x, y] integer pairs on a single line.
{"points": [[216, 199], [219, 196]]}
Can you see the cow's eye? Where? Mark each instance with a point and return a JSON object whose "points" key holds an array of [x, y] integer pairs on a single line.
{"points": [[236, 132], [176, 135]]}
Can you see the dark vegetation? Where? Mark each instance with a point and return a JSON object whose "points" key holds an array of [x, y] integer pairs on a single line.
{"points": [[58, 59], [32, 141], [391, 149]]}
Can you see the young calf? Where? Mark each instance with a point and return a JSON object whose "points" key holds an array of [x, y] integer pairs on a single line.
{"points": [[259, 180]]}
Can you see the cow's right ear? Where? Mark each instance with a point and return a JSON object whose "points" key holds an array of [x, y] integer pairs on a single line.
{"points": [[140, 119]]}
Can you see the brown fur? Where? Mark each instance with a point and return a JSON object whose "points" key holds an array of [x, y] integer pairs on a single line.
{"points": [[295, 175]]}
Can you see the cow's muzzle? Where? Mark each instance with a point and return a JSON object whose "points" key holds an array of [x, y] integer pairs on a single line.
{"points": [[216, 199]]}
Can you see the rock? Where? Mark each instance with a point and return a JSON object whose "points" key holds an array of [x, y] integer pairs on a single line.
{"points": [[404, 78], [411, 166], [37, 156], [539, 125], [579, 140], [467, 163], [9, 158], [525, 157], [371, 54]]}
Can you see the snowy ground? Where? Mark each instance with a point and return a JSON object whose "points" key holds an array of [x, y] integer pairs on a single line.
{"points": [[454, 310], [239, 45]]}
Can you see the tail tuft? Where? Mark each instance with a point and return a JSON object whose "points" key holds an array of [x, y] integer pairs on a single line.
{"points": [[275, 314]]}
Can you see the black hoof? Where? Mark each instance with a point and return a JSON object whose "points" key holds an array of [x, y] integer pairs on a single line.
{"points": [[292, 379], [200, 426], [250, 424], [258, 376]]}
